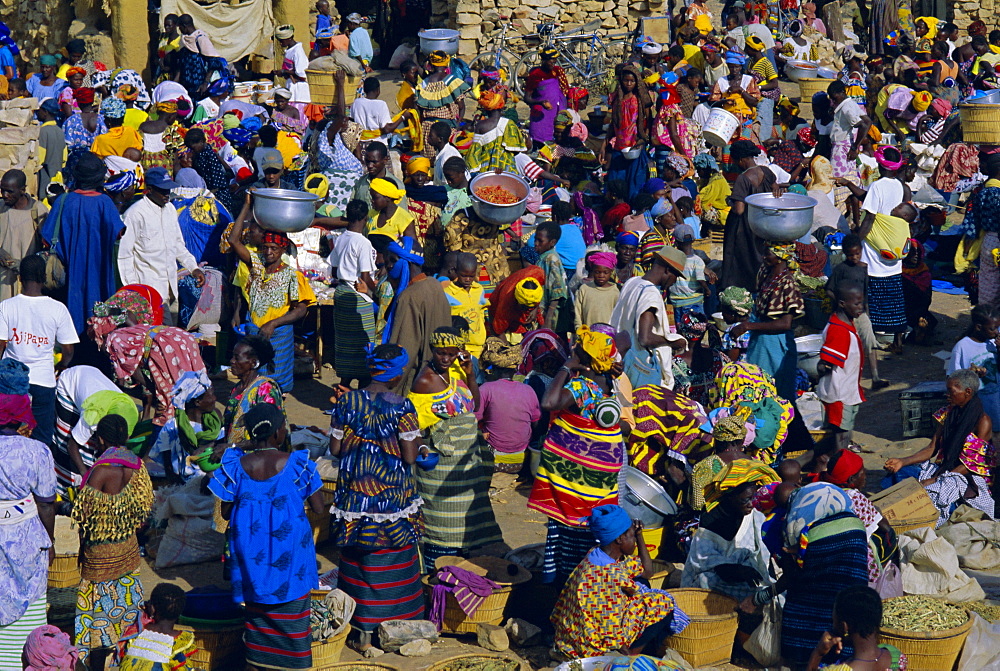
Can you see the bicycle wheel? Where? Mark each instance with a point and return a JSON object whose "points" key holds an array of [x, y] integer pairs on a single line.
{"points": [[525, 63], [492, 60]]}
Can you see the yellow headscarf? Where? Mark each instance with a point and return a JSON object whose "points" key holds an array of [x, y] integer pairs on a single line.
{"points": [[932, 26], [167, 107], [599, 346], [528, 296], [821, 172], [491, 100], [736, 474], [418, 164], [703, 24], [922, 100], [439, 59], [386, 188], [318, 185], [786, 103], [446, 340], [784, 251]]}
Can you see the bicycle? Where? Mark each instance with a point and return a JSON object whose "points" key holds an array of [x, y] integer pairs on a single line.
{"points": [[500, 55], [583, 55]]}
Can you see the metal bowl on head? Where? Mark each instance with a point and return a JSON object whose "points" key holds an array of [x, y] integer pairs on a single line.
{"points": [[799, 69], [494, 213], [284, 210], [781, 219]]}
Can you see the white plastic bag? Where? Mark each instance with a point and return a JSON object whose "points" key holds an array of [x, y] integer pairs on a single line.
{"points": [[982, 648], [765, 641]]}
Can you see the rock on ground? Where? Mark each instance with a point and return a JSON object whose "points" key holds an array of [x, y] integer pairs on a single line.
{"points": [[394, 634], [418, 648], [492, 637]]}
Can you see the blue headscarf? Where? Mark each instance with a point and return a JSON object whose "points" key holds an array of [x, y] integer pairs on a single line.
{"points": [[706, 160], [653, 185], [13, 377], [608, 522], [219, 87], [238, 137], [627, 238], [6, 40], [400, 271], [385, 370], [252, 124], [661, 207], [113, 108], [735, 58], [121, 181]]}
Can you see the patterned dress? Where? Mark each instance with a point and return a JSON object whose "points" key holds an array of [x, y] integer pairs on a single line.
{"points": [[260, 390]]}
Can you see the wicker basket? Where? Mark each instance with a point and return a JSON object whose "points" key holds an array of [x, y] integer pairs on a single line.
{"points": [[65, 571], [928, 522], [320, 522], [490, 611], [929, 650], [218, 648], [809, 86], [323, 89], [494, 660], [361, 665], [661, 574], [980, 123], [327, 653], [708, 640]]}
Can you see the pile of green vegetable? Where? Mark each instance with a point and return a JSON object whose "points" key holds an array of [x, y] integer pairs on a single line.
{"points": [[988, 612], [916, 613]]}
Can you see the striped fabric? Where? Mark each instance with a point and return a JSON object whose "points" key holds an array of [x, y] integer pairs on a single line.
{"points": [[283, 342], [385, 584], [13, 636], [67, 416], [277, 636], [885, 304], [457, 509], [565, 548], [354, 322]]}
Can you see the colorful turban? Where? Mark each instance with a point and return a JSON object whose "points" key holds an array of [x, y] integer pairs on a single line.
{"points": [[238, 137], [492, 100], [284, 32], [653, 185], [123, 181], [710, 48], [786, 104], [490, 75], [737, 299], [219, 87], [942, 107], [16, 409], [603, 259], [755, 43], [598, 346], [386, 188], [230, 120], [128, 93], [539, 345], [439, 59], [167, 107], [49, 649], [498, 355], [705, 161], [977, 27], [731, 429], [807, 136], [84, 96], [932, 25], [318, 185], [784, 251], [693, 326], [445, 339], [795, 28], [736, 474], [48, 60], [627, 238], [112, 108], [735, 58], [886, 163], [528, 292], [418, 164], [74, 70], [703, 24], [922, 100], [548, 54], [844, 468], [252, 124], [275, 238], [608, 522], [385, 369], [189, 386]]}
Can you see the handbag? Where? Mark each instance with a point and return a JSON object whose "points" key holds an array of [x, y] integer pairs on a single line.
{"points": [[55, 270]]}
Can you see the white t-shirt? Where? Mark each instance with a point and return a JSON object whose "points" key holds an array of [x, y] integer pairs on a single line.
{"points": [[883, 196], [371, 114], [352, 255], [78, 383], [32, 325], [448, 151], [845, 118]]}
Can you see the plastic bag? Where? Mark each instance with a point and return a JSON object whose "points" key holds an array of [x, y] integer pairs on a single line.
{"points": [[889, 583], [982, 648], [930, 566], [765, 641]]}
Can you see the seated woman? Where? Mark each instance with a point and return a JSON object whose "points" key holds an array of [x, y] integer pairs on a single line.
{"points": [[857, 614], [957, 466], [192, 432], [603, 609]]}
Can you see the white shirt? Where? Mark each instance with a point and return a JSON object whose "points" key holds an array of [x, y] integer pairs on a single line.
{"points": [[845, 118], [32, 325], [299, 61], [352, 255], [883, 196], [843, 383], [151, 248], [371, 114], [638, 296], [78, 383], [447, 151]]}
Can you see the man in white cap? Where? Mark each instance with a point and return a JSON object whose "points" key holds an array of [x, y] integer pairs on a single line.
{"points": [[361, 43], [293, 67]]}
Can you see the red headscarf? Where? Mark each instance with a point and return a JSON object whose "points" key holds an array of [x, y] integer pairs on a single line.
{"points": [[847, 466], [84, 95]]}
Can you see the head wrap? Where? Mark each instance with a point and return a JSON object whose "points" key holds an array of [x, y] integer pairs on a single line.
{"points": [[190, 179], [275, 238], [693, 326], [418, 164], [142, 302], [598, 346], [932, 26], [107, 402], [167, 107], [49, 649], [807, 136], [6, 39], [731, 429], [799, 189], [238, 137], [786, 103], [318, 185], [810, 504], [539, 345], [680, 164], [121, 181], [548, 53], [784, 251], [627, 238], [189, 386], [128, 92], [252, 123], [886, 163], [281, 92], [608, 523], [795, 28], [922, 100], [706, 161], [710, 48], [50, 105], [90, 170], [660, 208], [703, 24], [284, 31], [736, 474], [445, 339], [977, 27], [498, 355], [603, 259], [16, 409], [492, 100], [844, 468], [528, 292], [755, 43], [490, 75], [219, 87], [652, 49], [13, 377], [942, 107], [48, 60], [439, 59], [386, 188], [74, 70], [735, 58], [653, 185], [383, 369], [737, 299], [821, 174], [113, 108], [84, 96]]}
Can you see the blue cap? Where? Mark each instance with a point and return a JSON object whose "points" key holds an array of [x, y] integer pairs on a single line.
{"points": [[159, 178]]}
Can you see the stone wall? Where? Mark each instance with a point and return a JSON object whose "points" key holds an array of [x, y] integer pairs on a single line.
{"points": [[476, 19], [38, 26], [964, 12]]}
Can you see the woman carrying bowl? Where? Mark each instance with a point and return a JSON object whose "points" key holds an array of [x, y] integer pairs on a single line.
{"points": [[628, 133], [278, 296]]}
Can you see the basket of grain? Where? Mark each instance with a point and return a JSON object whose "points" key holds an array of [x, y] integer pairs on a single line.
{"points": [[476, 662], [708, 640], [810, 86], [508, 577], [930, 631], [220, 644], [323, 88]]}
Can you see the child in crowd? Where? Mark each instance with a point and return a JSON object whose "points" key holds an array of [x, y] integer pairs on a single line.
{"points": [[736, 304], [373, 114], [157, 645], [790, 472], [857, 615], [840, 363], [686, 207], [687, 294], [978, 351], [596, 297], [467, 300], [352, 263], [508, 410], [555, 294]]}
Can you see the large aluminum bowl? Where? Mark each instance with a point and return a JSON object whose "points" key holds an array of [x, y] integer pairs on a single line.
{"points": [[284, 210], [781, 219], [807, 349], [796, 70], [499, 214], [438, 39]]}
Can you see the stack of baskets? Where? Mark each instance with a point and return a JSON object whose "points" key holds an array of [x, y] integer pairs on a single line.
{"points": [[492, 609], [981, 120], [708, 640], [929, 650], [65, 571]]}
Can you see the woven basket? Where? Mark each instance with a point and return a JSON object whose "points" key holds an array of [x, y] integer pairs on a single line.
{"points": [[490, 611], [327, 653], [329, 488], [218, 648], [708, 640], [661, 574], [320, 522], [323, 89], [809, 86], [929, 650], [928, 522], [980, 123], [65, 571], [361, 666], [494, 660]]}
